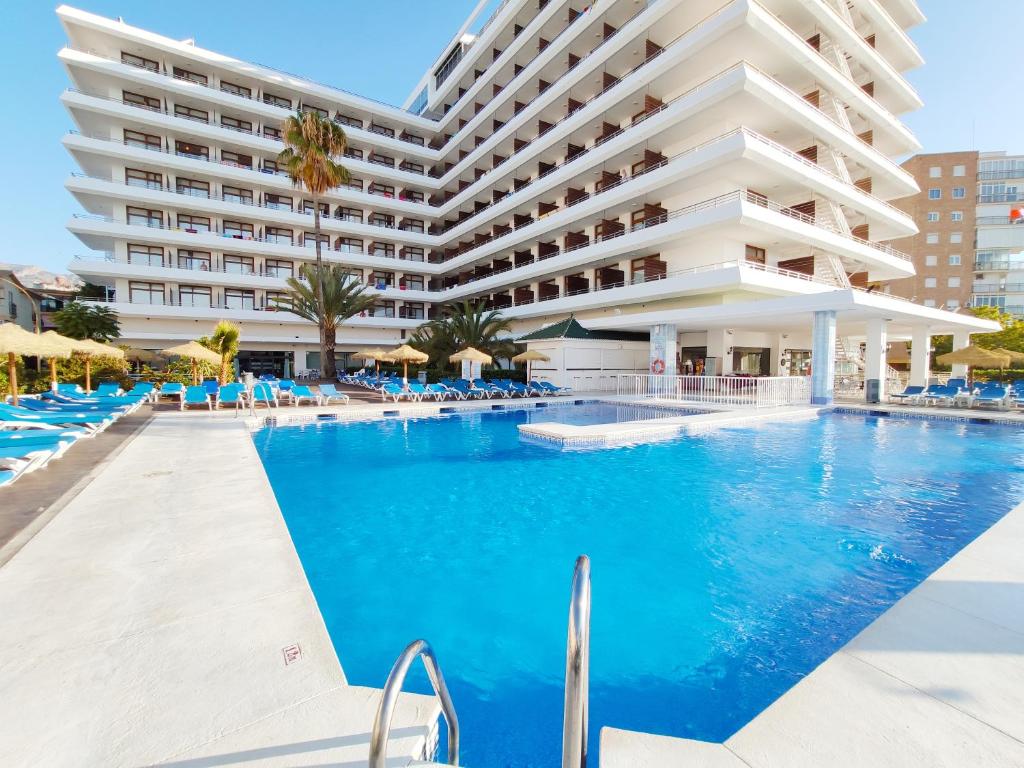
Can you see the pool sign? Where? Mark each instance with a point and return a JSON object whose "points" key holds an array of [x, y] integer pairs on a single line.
{"points": [[292, 653]]}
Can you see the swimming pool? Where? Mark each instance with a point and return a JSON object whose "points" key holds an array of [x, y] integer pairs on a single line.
{"points": [[583, 413], [725, 566]]}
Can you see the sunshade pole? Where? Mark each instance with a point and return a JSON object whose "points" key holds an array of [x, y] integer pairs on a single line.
{"points": [[12, 376]]}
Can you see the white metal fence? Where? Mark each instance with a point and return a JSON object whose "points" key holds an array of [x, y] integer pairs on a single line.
{"points": [[753, 391]]}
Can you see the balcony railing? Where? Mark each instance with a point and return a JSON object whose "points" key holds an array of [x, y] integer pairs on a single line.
{"points": [[1001, 265]]}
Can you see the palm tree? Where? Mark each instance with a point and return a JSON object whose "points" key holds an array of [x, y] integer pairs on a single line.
{"points": [[328, 296], [311, 144], [223, 341], [81, 321], [463, 325]]}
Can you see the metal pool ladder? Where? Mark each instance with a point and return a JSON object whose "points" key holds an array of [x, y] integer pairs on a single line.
{"points": [[393, 687], [577, 669]]}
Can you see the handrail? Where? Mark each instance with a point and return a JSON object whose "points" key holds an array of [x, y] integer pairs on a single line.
{"points": [[577, 670], [389, 699]]}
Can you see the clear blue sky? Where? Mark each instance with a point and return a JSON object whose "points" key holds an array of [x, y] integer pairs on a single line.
{"points": [[379, 48]]}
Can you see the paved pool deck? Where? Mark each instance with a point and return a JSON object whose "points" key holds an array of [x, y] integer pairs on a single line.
{"points": [[150, 621], [163, 617]]}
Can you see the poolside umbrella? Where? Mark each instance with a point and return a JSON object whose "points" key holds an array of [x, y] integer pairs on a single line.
{"points": [[528, 357], [975, 356], [66, 345], [141, 355], [16, 341], [898, 353], [470, 355], [405, 355], [195, 352], [89, 349], [376, 354], [1016, 358]]}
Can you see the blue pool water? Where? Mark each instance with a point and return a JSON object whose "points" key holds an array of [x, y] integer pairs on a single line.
{"points": [[585, 413], [725, 567]]}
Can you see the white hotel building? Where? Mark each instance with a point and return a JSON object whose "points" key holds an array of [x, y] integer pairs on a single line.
{"points": [[714, 173]]}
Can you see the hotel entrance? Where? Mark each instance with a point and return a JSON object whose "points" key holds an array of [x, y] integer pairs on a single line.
{"points": [[280, 364]]}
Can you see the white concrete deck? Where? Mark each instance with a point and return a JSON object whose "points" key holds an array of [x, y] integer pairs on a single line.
{"points": [[937, 681], [148, 621]]}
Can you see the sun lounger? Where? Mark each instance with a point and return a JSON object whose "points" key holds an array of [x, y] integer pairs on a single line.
{"points": [[141, 389], [264, 393], [196, 395], [997, 396], [550, 388], [395, 392], [170, 389], [300, 392], [108, 389], [230, 395], [13, 467], [97, 421], [330, 392], [909, 394]]}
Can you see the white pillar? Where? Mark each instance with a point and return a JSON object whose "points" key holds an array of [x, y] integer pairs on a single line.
{"points": [[874, 363], [718, 342], [662, 358], [920, 356], [823, 357], [961, 339]]}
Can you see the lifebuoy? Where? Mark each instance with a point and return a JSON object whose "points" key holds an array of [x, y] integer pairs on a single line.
{"points": [[658, 366]]}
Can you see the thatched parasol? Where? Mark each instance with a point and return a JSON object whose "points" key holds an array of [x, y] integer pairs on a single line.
{"points": [[528, 357], [1016, 358], [405, 355], [89, 349], [66, 345], [898, 353], [376, 354], [974, 356], [471, 355], [16, 341], [195, 352], [141, 355]]}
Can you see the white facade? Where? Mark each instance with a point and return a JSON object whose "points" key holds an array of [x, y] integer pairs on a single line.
{"points": [[606, 159], [999, 246]]}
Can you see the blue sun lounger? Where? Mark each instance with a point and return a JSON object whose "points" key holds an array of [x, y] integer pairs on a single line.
{"points": [[330, 392], [196, 395]]}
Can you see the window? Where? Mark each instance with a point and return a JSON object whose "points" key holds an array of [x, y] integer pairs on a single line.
{"points": [[193, 224], [140, 61], [138, 100], [350, 245], [934, 193], [191, 113], [956, 216], [271, 133], [959, 170], [273, 297], [929, 282], [383, 309], [931, 261], [277, 101], [933, 216], [192, 77], [197, 260], [146, 293], [142, 140], [237, 90], [136, 178], [959, 193], [954, 260], [238, 230], [381, 220], [235, 124], [411, 282], [234, 158], [150, 255], [279, 235], [350, 214], [953, 282], [271, 166], [935, 172], [952, 305], [236, 195], [194, 296], [239, 265], [277, 202], [385, 250], [412, 310], [192, 187], [279, 268], [145, 217], [195, 151], [932, 238], [411, 253], [755, 254], [316, 110], [237, 298], [956, 237], [929, 302]]}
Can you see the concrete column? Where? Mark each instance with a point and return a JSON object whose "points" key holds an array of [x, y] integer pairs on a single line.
{"points": [[718, 344], [874, 354], [920, 356], [960, 340], [662, 358], [823, 357]]}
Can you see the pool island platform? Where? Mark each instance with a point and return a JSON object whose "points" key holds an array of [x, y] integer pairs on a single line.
{"points": [[163, 617]]}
